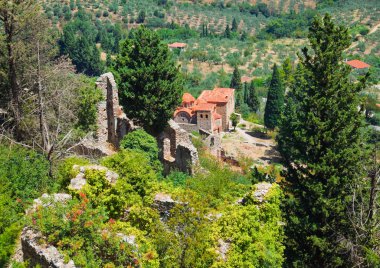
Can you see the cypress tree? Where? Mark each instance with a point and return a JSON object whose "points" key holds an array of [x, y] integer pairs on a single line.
{"points": [[322, 144], [253, 100], [234, 26], [246, 92], [150, 85], [227, 32], [275, 100], [237, 85]]}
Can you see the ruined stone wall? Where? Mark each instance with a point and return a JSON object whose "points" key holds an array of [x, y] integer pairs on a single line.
{"points": [[189, 127], [112, 123], [214, 144], [176, 149]]}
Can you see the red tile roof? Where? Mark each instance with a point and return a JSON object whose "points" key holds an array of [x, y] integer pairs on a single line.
{"points": [[357, 64], [177, 45], [204, 107], [187, 97], [185, 110], [218, 95]]}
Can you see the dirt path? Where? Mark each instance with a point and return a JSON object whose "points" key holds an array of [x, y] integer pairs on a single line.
{"points": [[374, 28], [245, 143]]}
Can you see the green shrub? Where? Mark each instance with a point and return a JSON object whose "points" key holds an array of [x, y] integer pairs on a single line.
{"points": [[24, 175], [177, 178], [141, 141], [134, 167], [89, 96], [255, 233]]}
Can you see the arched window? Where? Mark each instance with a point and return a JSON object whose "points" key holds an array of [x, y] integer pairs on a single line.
{"points": [[201, 115]]}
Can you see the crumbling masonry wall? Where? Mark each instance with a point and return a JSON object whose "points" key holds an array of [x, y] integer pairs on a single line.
{"points": [[176, 149], [112, 122]]}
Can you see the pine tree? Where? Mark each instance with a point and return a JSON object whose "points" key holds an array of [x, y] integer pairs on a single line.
{"points": [[227, 32], [150, 86], [234, 26], [253, 100], [275, 100], [322, 145]]}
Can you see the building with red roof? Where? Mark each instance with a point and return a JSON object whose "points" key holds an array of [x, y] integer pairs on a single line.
{"points": [[210, 112], [357, 64], [177, 45]]}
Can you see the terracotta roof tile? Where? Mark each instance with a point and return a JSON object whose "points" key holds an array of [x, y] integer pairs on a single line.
{"points": [[177, 45], [187, 97], [204, 107], [357, 64]]}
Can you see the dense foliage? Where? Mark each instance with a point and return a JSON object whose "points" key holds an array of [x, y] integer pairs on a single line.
{"points": [[144, 143], [104, 219], [322, 143], [78, 41], [150, 84], [24, 175]]}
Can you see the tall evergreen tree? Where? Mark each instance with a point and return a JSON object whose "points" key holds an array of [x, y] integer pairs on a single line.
{"points": [[227, 32], [237, 85], [150, 85], [275, 100], [322, 144], [246, 92], [253, 100], [234, 26]]}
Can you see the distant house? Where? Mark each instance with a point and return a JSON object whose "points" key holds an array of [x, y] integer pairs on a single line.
{"points": [[180, 46], [357, 64], [210, 112]]}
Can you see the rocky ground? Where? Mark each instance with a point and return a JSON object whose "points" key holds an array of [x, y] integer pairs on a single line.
{"points": [[243, 142]]}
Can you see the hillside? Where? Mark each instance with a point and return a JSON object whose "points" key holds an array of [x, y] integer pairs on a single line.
{"points": [[272, 32], [189, 133]]}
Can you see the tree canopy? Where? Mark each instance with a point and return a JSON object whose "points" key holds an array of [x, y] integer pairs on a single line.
{"points": [[150, 85], [323, 147]]}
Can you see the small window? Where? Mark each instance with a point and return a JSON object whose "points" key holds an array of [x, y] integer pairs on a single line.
{"points": [[206, 115], [201, 115]]}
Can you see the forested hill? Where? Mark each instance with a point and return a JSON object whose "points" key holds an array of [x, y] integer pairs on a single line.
{"points": [[269, 30]]}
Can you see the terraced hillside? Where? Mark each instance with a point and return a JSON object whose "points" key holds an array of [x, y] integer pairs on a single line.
{"points": [[272, 29]]}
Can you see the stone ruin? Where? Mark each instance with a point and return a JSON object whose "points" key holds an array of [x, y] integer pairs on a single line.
{"points": [[213, 142], [177, 152], [112, 122]]}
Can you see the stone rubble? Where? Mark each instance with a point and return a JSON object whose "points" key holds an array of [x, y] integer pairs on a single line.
{"points": [[80, 180], [42, 254]]}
